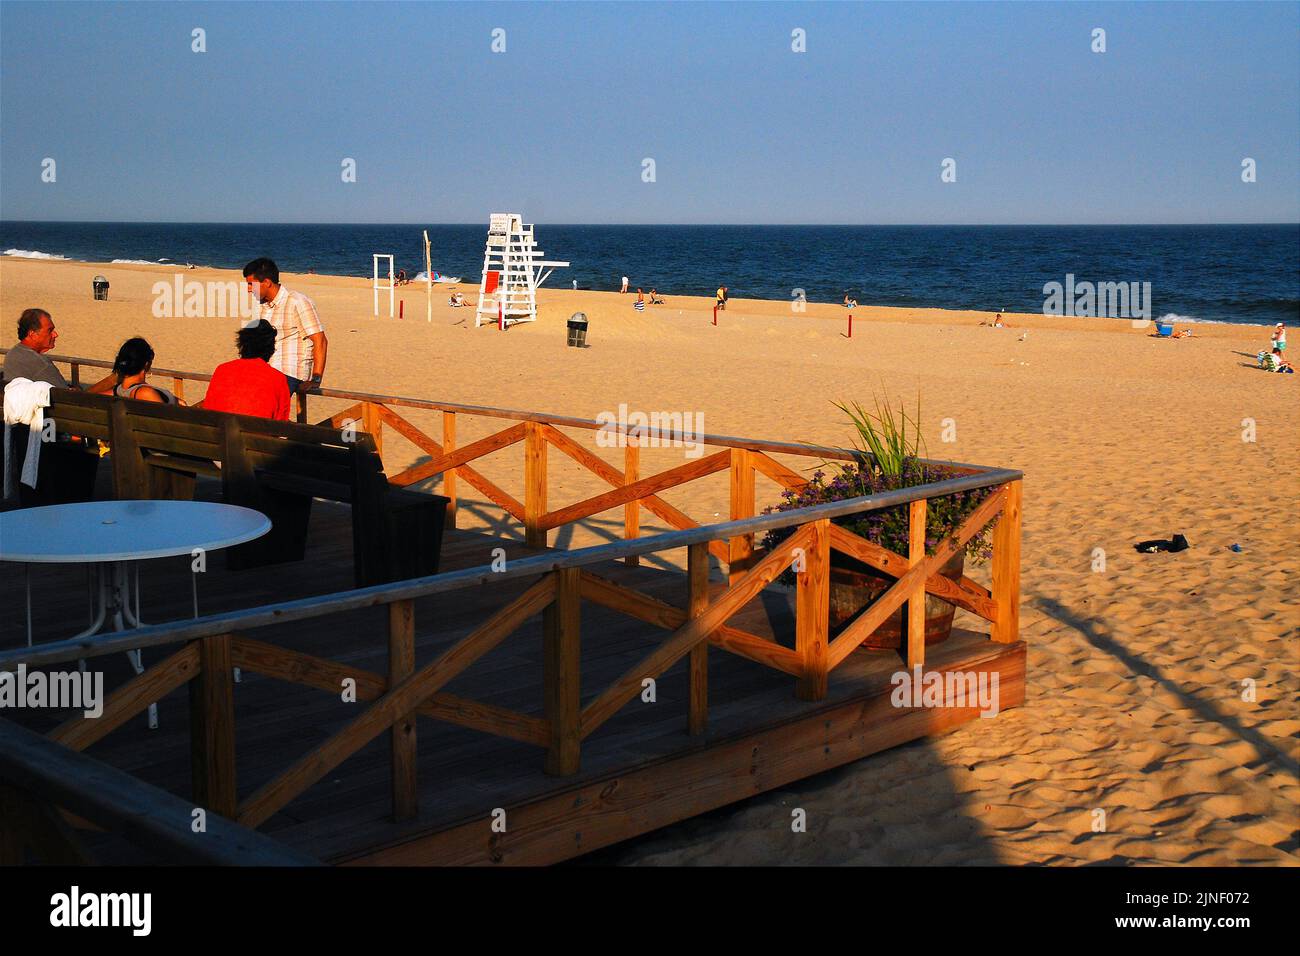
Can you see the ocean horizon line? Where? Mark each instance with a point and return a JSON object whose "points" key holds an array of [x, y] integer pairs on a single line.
{"points": [[674, 225]]}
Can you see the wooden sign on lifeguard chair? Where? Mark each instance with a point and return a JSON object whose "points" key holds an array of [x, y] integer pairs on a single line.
{"points": [[513, 268]]}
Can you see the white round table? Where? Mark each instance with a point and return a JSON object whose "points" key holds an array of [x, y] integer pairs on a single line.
{"points": [[111, 536]]}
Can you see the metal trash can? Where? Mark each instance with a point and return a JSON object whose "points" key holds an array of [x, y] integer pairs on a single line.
{"points": [[101, 287], [578, 330]]}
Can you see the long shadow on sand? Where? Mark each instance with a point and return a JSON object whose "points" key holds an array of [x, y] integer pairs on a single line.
{"points": [[1267, 749]]}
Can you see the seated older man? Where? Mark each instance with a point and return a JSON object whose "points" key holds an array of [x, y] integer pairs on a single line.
{"points": [[27, 359], [67, 468]]}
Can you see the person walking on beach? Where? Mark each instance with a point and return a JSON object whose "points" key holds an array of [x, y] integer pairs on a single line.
{"points": [[722, 297], [624, 289], [300, 343], [1279, 337]]}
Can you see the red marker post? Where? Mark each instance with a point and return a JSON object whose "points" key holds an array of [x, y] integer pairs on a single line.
{"points": [[850, 325], [401, 308], [715, 315], [501, 316]]}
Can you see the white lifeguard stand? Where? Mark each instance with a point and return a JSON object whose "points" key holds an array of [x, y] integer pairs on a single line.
{"points": [[513, 268], [378, 285]]}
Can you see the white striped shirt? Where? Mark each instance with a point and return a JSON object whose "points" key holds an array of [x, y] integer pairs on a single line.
{"points": [[294, 317]]}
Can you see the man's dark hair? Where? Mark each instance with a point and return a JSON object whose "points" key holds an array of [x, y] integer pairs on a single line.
{"points": [[256, 341], [30, 321], [263, 268]]}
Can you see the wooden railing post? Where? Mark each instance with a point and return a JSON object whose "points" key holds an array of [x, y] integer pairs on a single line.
{"points": [[562, 674], [534, 485], [1006, 568], [76, 375], [741, 547], [449, 477], [632, 510], [916, 603], [401, 665], [813, 613], [178, 387], [697, 599], [212, 728], [373, 426]]}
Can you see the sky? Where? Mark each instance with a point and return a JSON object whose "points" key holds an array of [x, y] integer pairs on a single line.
{"points": [[740, 127]]}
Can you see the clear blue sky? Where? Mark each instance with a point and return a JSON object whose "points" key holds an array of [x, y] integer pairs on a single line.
{"points": [[742, 129]]}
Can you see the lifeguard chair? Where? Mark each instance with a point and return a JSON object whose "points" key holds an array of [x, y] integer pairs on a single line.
{"points": [[513, 268]]}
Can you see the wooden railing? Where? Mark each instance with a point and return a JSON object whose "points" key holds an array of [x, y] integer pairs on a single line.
{"points": [[742, 458], [558, 582], [211, 647], [47, 788]]}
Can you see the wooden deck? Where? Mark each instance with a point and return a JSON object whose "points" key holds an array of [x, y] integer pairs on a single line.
{"points": [[639, 771]]}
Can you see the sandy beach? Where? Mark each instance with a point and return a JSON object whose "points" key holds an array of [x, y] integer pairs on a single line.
{"points": [[1135, 692]]}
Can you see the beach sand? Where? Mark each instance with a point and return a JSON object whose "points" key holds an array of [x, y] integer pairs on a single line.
{"points": [[1135, 692]]}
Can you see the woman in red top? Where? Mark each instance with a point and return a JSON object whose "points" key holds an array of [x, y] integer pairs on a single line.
{"points": [[247, 385]]}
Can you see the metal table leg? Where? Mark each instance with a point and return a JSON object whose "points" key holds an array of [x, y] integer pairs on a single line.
{"points": [[126, 617]]}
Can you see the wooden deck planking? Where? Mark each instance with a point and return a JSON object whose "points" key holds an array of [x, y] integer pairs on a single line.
{"points": [[462, 773]]}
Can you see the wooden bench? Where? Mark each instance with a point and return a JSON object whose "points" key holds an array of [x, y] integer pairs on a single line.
{"points": [[277, 468]]}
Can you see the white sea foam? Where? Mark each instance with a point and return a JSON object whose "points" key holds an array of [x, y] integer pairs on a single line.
{"points": [[30, 254], [132, 262], [1171, 317]]}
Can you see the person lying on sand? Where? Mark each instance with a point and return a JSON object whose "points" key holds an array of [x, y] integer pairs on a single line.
{"points": [[456, 300], [656, 298], [849, 302]]}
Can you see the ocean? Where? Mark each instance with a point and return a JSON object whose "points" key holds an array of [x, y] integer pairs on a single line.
{"points": [[1213, 273]]}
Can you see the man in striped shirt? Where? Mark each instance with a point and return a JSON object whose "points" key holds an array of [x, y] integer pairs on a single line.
{"points": [[300, 343]]}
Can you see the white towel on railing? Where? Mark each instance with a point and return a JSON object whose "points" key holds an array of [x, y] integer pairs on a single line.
{"points": [[25, 404]]}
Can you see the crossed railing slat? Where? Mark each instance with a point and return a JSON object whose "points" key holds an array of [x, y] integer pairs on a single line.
{"points": [[628, 491], [394, 700]]}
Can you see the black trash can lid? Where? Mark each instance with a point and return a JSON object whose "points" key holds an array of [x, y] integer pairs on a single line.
{"points": [[577, 319], [100, 280]]}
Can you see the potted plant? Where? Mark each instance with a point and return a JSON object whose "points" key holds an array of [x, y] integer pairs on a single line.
{"points": [[887, 456]]}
